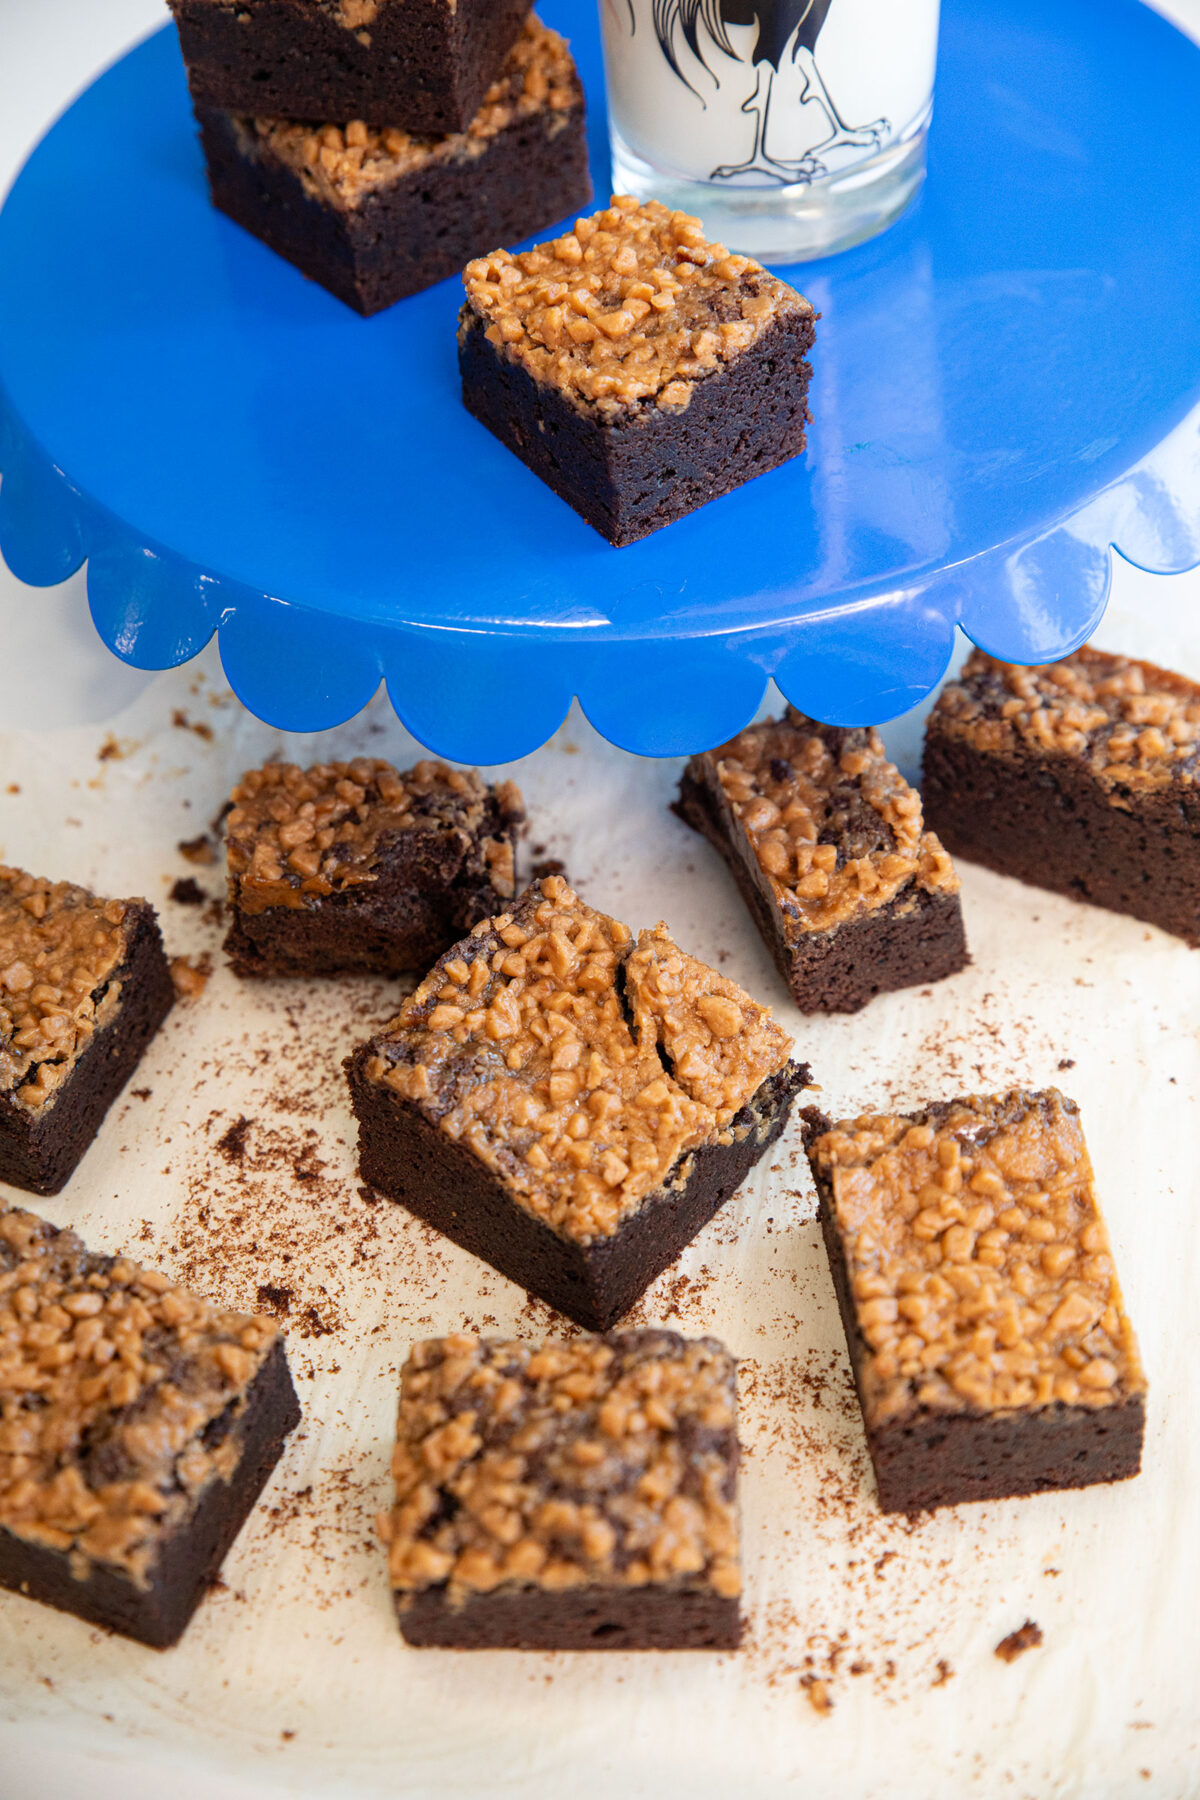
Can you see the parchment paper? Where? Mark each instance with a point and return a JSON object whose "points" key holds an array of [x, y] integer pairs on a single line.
{"points": [[293, 1678]]}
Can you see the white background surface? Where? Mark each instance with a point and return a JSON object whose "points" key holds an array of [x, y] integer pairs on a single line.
{"points": [[301, 1641]]}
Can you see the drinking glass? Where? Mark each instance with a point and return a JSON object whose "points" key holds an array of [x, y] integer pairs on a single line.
{"points": [[794, 128]]}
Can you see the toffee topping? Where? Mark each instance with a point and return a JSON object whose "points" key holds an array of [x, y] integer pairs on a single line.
{"points": [[1131, 724], [59, 948], [978, 1259], [299, 834], [600, 1460], [578, 1067], [110, 1378], [833, 825], [633, 304]]}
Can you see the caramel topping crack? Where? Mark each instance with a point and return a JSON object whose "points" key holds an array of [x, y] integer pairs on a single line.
{"points": [[109, 1378], [344, 165], [600, 1460], [978, 1259], [580, 1068], [59, 949], [298, 834], [1131, 724], [633, 304], [833, 825]]}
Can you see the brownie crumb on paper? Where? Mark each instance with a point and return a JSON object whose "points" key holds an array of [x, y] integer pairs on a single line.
{"points": [[1027, 1637]]}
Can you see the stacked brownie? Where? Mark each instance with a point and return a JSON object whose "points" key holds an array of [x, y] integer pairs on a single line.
{"points": [[380, 144]]}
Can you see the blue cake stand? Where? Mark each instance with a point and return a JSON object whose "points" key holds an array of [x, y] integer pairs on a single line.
{"points": [[1006, 385]]}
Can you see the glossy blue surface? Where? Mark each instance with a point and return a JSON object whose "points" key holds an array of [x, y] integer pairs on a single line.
{"points": [[231, 447]]}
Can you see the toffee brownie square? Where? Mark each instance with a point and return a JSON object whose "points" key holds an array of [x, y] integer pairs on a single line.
{"points": [[639, 370], [138, 1425], [374, 214], [355, 868], [568, 1105], [422, 64], [990, 1346], [826, 841], [567, 1496], [1081, 776], [84, 986]]}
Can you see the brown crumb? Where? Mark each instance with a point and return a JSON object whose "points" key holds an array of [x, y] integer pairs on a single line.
{"points": [[199, 850], [190, 975], [550, 865], [313, 1323], [1017, 1642], [14, 787], [112, 749], [945, 1673], [1068, 1062], [181, 722], [819, 1697], [271, 1296], [287, 1736], [187, 892], [141, 1093], [232, 1143]]}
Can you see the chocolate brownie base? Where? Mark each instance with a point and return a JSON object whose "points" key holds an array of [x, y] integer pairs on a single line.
{"points": [[190, 1557], [583, 1618], [1048, 822], [40, 1151], [916, 938], [419, 904], [649, 467], [406, 1157], [415, 231], [927, 1459], [420, 64]]}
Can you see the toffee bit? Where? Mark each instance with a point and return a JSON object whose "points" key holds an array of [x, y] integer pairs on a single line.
{"points": [[1027, 1637], [818, 1694], [200, 850], [190, 975]]}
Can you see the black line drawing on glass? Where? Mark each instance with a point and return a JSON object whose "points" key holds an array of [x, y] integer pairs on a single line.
{"points": [[787, 31]]}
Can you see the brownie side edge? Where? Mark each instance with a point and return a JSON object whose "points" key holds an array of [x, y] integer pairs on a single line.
{"points": [[416, 231], [696, 806], [914, 938], [595, 1617], [924, 1459], [405, 1156], [1047, 822], [191, 1555], [623, 1266], [630, 477], [426, 894], [40, 1153], [420, 65]]}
